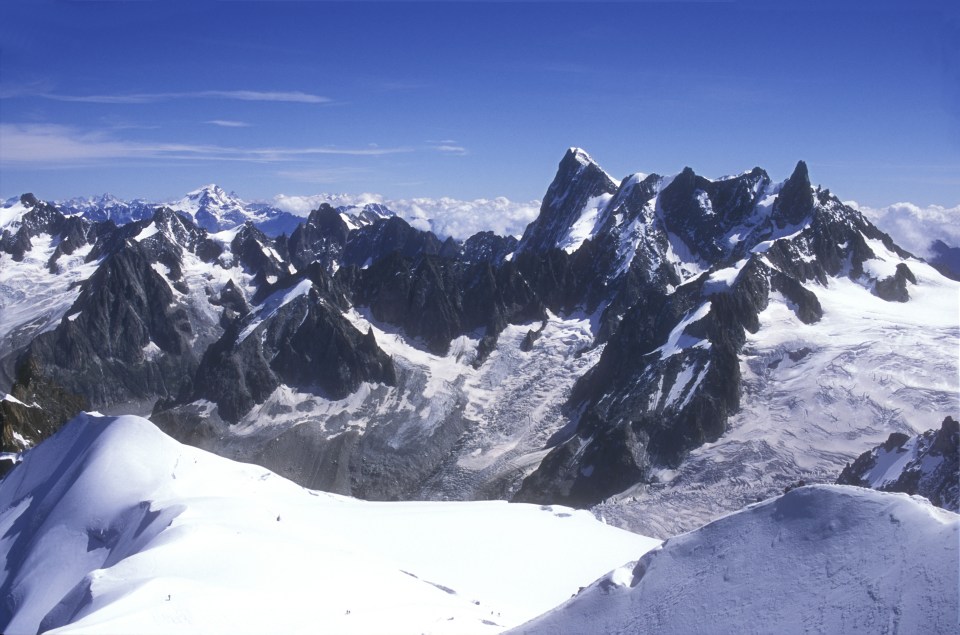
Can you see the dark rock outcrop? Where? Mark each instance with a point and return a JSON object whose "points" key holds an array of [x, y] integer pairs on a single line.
{"points": [[122, 340], [303, 342], [927, 464], [945, 259]]}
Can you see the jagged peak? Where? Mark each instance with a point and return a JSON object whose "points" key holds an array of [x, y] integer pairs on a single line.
{"points": [[580, 155], [210, 188], [577, 159], [800, 173]]}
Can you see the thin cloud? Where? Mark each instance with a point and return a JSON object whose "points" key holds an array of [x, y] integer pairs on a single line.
{"points": [[325, 176], [448, 146], [227, 123], [150, 98], [31, 144]]}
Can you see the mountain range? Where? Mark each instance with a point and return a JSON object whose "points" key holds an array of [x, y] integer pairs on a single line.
{"points": [[695, 360], [679, 342]]}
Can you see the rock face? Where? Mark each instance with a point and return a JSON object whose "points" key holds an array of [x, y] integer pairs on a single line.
{"points": [[360, 354], [298, 339], [946, 259], [927, 464]]}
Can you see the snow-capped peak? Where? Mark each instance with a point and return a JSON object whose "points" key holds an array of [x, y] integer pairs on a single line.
{"points": [[580, 155], [213, 208]]}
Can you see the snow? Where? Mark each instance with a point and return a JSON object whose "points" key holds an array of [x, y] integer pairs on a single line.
{"points": [[147, 232], [722, 279], [678, 341], [509, 407], [12, 399], [274, 303], [586, 226], [11, 213], [112, 527], [890, 465], [32, 299], [821, 559]]}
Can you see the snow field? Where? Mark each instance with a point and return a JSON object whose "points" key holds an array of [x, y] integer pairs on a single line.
{"points": [[113, 527]]}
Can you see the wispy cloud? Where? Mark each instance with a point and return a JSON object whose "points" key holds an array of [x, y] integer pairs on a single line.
{"points": [[50, 144], [448, 146], [227, 123], [150, 98], [325, 176]]}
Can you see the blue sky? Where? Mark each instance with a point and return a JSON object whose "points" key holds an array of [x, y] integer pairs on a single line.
{"points": [[472, 100]]}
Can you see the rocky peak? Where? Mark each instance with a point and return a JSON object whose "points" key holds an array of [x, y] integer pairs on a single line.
{"points": [[369, 244], [796, 198], [578, 179]]}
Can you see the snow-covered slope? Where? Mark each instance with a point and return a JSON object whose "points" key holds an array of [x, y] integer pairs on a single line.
{"points": [[112, 527], [820, 559]]}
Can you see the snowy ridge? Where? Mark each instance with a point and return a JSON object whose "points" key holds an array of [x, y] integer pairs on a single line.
{"points": [[821, 559], [113, 527]]}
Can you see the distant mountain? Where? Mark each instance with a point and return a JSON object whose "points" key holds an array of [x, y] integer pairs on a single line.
{"points": [[946, 259], [108, 207], [823, 559], [664, 349]]}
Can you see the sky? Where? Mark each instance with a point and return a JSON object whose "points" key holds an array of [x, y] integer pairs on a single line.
{"points": [[474, 99]]}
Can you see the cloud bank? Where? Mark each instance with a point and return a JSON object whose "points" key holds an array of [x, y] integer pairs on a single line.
{"points": [[443, 216], [914, 227]]}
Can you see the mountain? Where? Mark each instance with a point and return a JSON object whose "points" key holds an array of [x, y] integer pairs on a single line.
{"points": [[108, 207], [927, 464], [946, 259], [214, 210], [662, 349], [111, 526], [823, 559]]}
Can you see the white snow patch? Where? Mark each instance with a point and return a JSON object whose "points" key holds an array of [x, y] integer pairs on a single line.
{"points": [[274, 303], [147, 232], [723, 279], [12, 399], [678, 341], [586, 226]]}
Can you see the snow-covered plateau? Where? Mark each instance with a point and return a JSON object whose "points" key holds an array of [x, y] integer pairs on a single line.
{"points": [[111, 526]]}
